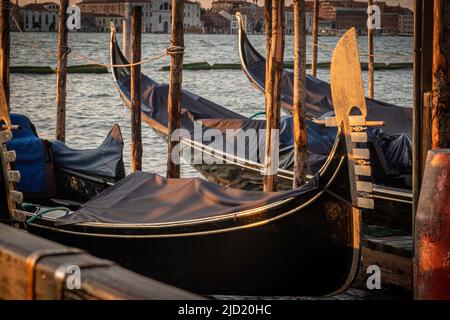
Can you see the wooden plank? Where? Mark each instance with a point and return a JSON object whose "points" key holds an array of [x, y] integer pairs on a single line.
{"points": [[359, 137], [363, 171], [16, 196], [395, 270], [9, 156], [363, 154], [364, 186], [5, 136], [100, 279], [13, 176]]}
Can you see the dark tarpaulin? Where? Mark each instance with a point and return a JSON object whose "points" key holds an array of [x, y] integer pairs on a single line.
{"points": [[104, 161], [318, 95], [149, 198]]}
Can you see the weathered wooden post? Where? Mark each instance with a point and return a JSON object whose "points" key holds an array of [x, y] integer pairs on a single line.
{"points": [[126, 30], [136, 134], [176, 77], [4, 47], [300, 152], [441, 76], [315, 37], [273, 96], [268, 31], [370, 47], [423, 68], [432, 230], [61, 71]]}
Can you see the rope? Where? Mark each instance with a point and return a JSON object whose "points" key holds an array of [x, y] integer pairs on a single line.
{"points": [[38, 215], [172, 50]]}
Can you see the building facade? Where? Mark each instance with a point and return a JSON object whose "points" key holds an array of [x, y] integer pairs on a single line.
{"points": [[41, 17], [156, 14], [406, 24], [97, 22], [214, 22]]}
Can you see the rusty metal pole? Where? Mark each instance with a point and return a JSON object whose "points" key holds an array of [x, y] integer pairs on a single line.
{"points": [[136, 129], [298, 105], [4, 47], [370, 47], [432, 231], [315, 37], [441, 76], [61, 71], [175, 82], [273, 96]]}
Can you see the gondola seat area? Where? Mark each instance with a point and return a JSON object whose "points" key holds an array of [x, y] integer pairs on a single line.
{"points": [[52, 170]]}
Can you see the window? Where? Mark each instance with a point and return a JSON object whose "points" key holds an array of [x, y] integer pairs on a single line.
{"points": [[46, 19], [165, 6], [160, 19]]}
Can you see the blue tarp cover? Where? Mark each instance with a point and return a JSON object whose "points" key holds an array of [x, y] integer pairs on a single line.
{"points": [[30, 161]]}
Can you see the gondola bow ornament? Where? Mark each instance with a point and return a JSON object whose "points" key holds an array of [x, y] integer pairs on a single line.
{"points": [[350, 108]]}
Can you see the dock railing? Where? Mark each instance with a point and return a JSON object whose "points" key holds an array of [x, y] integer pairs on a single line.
{"points": [[35, 268]]}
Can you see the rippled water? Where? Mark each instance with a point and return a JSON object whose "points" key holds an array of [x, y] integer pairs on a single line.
{"points": [[93, 104]]}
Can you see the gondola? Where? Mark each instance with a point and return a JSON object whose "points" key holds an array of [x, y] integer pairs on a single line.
{"points": [[211, 239], [240, 169], [52, 170], [397, 120]]}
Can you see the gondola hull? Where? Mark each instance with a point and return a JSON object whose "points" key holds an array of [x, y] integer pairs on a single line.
{"points": [[313, 251]]}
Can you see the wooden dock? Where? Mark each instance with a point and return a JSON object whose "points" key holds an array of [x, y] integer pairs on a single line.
{"points": [[35, 268]]}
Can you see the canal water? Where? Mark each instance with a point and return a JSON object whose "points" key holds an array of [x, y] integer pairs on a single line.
{"points": [[94, 105]]}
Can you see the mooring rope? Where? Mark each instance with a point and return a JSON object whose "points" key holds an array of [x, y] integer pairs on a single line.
{"points": [[168, 51]]}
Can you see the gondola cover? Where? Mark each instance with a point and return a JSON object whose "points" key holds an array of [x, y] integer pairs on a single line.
{"points": [[150, 198]]}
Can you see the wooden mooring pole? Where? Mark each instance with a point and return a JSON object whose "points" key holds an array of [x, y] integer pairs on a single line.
{"points": [[315, 37], [126, 31], [370, 48], [300, 152], [175, 82], [136, 130], [441, 76], [61, 71], [268, 31], [4, 47], [273, 96]]}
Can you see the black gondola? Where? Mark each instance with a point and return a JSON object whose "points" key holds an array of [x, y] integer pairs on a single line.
{"points": [[216, 240], [397, 120], [239, 169]]}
